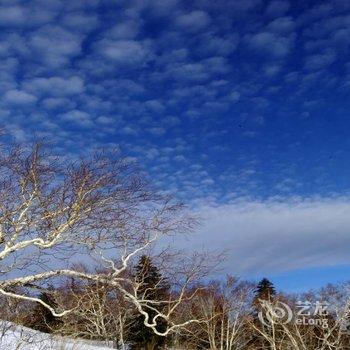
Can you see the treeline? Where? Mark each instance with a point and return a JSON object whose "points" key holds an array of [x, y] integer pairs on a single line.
{"points": [[221, 315]]}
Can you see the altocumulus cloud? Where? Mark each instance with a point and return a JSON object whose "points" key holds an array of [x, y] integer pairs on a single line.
{"points": [[17, 97], [276, 235], [206, 95]]}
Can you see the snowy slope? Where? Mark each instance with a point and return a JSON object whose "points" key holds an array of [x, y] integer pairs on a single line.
{"points": [[13, 337]]}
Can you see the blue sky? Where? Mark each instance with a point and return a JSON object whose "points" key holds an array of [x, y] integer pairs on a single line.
{"points": [[229, 104]]}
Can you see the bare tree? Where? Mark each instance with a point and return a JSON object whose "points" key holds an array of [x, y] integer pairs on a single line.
{"points": [[223, 309], [322, 332], [103, 314], [97, 209]]}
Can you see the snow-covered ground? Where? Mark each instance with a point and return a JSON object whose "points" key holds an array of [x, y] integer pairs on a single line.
{"points": [[13, 337]]}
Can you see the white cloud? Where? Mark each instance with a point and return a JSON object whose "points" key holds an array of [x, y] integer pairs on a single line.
{"points": [[180, 158], [55, 86], [18, 97], [199, 71], [170, 121], [187, 68], [31, 14], [234, 96], [276, 235], [18, 133], [128, 130], [152, 153], [157, 131], [108, 120], [189, 72], [272, 70], [55, 45], [193, 21], [275, 45], [154, 105], [319, 61], [125, 51], [77, 117], [56, 103], [208, 182], [217, 45], [80, 22], [281, 25], [12, 15], [125, 30]]}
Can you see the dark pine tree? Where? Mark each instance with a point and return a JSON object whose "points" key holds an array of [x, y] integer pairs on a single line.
{"points": [[154, 287], [43, 320], [265, 290]]}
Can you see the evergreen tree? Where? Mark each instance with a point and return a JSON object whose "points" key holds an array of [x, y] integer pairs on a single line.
{"points": [[153, 287], [265, 290], [42, 319]]}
